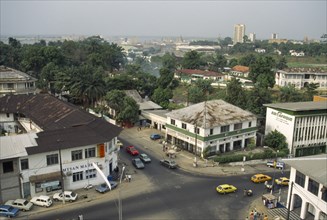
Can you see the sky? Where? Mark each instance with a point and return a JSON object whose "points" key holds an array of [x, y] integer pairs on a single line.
{"points": [[294, 19]]}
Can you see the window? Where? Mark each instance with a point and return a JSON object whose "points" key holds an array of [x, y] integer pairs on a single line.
{"points": [[324, 194], [8, 115], [172, 121], [237, 126], [24, 164], [52, 159], [250, 124], [300, 178], [197, 130], [77, 155], [211, 131], [183, 125], [77, 176], [224, 129], [8, 167], [90, 152], [90, 174], [313, 187]]}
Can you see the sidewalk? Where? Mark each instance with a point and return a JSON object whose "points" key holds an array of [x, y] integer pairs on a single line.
{"points": [[185, 161]]}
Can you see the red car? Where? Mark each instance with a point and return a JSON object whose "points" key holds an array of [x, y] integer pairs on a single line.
{"points": [[132, 151]]}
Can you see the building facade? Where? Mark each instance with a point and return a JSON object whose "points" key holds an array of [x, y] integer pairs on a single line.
{"points": [[304, 124], [16, 82], [214, 124], [299, 77], [308, 186], [51, 145], [239, 33]]}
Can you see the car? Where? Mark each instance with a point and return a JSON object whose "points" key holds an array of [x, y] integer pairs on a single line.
{"points": [[145, 158], [278, 164], [155, 136], [67, 195], [132, 151], [8, 211], [21, 204], [102, 188], [137, 162], [44, 201], [225, 188], [283, 181], [169, 163], [260, 178]]}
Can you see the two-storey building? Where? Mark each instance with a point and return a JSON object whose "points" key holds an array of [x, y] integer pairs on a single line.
{"points": [[51, 145], [215, 124]]}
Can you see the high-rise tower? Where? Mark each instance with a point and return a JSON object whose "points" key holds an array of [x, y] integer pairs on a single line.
{"points": [[239, 32]]}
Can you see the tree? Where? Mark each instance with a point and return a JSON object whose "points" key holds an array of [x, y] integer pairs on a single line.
{"points": [[162, 96], [192, 60], [289, 93], [218, 62], [262, 71], [169, 61], [166, 77], [282, 63], [235, 93], [275, 140], [256, 98], [248, 60], [129, 112], [310, 90], [233, 62]]}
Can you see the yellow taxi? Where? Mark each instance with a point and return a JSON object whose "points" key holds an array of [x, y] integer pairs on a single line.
{"points": [[260, 178], [283, 181], [225, 188]]}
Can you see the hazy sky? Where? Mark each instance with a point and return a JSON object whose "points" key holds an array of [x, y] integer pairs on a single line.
{"points": [[290, 19]]}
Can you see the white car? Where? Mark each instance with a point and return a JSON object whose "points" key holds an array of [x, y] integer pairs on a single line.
{"points": [[21, 204], [69, 196], [44, 201]]}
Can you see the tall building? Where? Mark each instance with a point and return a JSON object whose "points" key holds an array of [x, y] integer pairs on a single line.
{"points": [[239, 32], [252, 37], [274, 36]]}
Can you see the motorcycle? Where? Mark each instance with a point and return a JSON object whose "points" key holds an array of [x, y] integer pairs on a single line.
{"points": [[88, 186]]}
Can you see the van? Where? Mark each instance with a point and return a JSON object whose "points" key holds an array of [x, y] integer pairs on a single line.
{"points": [[278, 164]]}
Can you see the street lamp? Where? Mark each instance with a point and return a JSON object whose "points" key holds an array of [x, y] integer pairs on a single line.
{"points": [[275, 164]]}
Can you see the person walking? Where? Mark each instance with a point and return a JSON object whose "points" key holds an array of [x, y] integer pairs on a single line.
{"points": [[265, 218]]}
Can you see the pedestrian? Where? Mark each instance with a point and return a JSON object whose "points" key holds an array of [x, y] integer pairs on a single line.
{"points": [[255, 214], [265, 218], [262, 216], [129, 178], [251, 215], [244, 192]]}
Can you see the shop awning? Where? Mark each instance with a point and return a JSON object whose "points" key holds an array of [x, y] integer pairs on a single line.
{"points": [[45, 177]]}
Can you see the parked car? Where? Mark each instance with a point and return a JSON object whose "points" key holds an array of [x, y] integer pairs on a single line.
{"points": [[132, 151], [145, 158], [155, 136], [102, 188], [8, 211], [67, 195], [260, 178], [225, 188], [169, 163], [137, 162], [283, 181], [276, 164], [21, 204], [44, 201]]}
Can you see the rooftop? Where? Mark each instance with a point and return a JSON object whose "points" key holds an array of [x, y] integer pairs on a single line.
{"points": [[199, 72], [9, 74], [214, 113], [312, 166], [305, 70], [299, 106], [239, 68]]}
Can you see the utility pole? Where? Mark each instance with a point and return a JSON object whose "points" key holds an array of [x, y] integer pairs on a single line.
{"points": [[62, 174], [289, 202]]}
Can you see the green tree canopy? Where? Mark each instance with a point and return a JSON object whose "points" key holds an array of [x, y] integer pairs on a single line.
{"points": [[275, 140], [192, 60], [261, 71], [235, 94]]}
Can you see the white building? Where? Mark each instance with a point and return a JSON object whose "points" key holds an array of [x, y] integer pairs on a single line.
{"points": [[239, 32], [216, 124], [299, 77], [47, 135], [308, 186], [304, 124]]}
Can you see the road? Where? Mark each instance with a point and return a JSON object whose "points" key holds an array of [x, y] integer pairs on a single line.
{"points": [[174, 194]]}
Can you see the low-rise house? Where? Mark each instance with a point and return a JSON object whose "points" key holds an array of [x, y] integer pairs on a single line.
{"points": [[308, 186], [299, 77], [240, 71], [191, 75], [52, 145], [16, 82], [215, 124]]}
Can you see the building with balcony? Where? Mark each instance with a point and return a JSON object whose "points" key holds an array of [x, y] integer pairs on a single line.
{"points": [[304, 124], [214, 124], [299, 77], [16, 82], [50, 145], [307, 192]]}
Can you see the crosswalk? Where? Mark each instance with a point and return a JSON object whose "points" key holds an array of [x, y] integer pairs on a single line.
{"points": [[283, 212]]}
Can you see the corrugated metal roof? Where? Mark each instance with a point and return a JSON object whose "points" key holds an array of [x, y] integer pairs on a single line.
{"points": [[299, 106], [214, 112], [14, 146], [313, 166]]}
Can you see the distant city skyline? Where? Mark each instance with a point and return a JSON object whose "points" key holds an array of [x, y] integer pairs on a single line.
{"points": [[207, 19]]}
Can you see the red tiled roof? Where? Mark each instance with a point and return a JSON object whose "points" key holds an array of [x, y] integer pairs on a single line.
{"points": [[239, 68]]}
